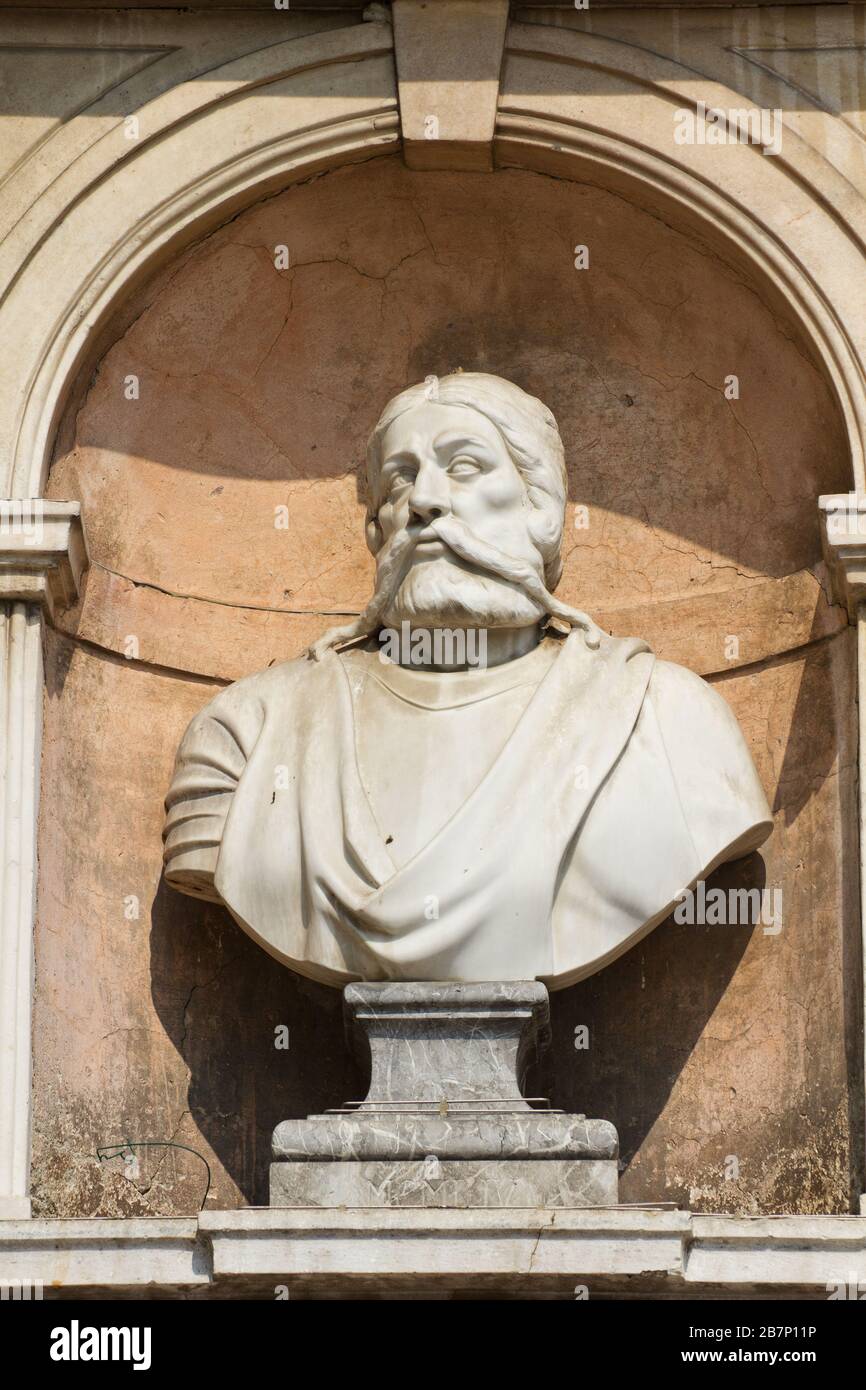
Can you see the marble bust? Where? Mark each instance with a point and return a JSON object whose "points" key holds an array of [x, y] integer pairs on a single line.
{"points": [[410, 813]]}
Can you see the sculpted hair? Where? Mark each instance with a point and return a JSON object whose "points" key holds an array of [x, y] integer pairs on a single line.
{"points": [[531, 436]]}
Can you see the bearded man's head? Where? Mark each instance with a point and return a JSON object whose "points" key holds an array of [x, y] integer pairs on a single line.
{"points": [[467, 488], [467, 472]]}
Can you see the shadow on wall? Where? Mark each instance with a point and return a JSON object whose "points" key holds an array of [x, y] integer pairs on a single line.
{"points": [[256, 382], [224, 1016], [641, 1032], [224, 1024], [777, 1078]]}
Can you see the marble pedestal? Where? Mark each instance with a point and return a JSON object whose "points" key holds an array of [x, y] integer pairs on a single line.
{"points": [[445, 1122]]}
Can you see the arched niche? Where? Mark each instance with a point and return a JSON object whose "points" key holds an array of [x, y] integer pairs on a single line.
{"points": [[133, 215]]}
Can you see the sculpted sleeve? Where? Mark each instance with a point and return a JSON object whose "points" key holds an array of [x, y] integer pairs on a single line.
{"points": [[210, 762]]}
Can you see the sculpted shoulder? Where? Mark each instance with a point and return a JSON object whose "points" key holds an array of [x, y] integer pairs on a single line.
{"points": [[718, 785], [253, 694], [243, 705], [210, 763], [681, 694]]}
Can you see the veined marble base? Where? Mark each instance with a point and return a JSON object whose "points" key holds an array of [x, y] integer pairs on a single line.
{"points": [[536, 1134], [445, 1122], [464, 1183]]}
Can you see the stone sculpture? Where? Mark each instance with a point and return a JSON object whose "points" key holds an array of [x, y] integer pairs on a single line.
{"points": [[529, 816], [467, 794]]}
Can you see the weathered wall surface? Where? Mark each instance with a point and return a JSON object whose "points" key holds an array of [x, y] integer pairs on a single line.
{"points": [[256, 389]]}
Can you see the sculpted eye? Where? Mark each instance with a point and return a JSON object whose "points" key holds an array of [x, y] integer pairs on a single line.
{"points": [[400, 478], [463, 467]]}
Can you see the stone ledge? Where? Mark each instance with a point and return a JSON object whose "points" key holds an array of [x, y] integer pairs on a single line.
{"points": [[519, 1253], [843, 540], [104, 1254], [43, 552]]}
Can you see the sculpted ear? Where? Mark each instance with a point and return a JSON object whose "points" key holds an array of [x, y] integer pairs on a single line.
{"points": [[374, 535]]}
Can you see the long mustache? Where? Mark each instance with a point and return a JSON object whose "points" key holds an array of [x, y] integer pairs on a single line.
{"points": [[391, 565], [393, 561]]}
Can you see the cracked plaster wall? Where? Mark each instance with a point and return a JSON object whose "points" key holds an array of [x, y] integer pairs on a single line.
{"points": [[258, 387]]}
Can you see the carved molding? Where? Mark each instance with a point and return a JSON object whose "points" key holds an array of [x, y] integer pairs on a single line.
{"points": [[259, 123], [843, 539], [43, 556], [215, 147], [556, 114], [20, 729], [43, 552], [226, 1254]]}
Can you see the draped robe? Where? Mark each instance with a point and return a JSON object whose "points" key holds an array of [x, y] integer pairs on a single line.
{"points": [[623, 781]]}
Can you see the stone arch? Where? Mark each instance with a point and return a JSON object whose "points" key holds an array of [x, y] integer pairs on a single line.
{"points": [[576, 131], [201, 159], [204, 157]]}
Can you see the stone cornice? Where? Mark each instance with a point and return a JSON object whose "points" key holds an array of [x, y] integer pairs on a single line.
{"points": [[249, 1252], [43, 552], [843, 538]]}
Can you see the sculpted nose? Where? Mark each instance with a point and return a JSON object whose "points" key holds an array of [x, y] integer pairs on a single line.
{"points": [[429, 496]]}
